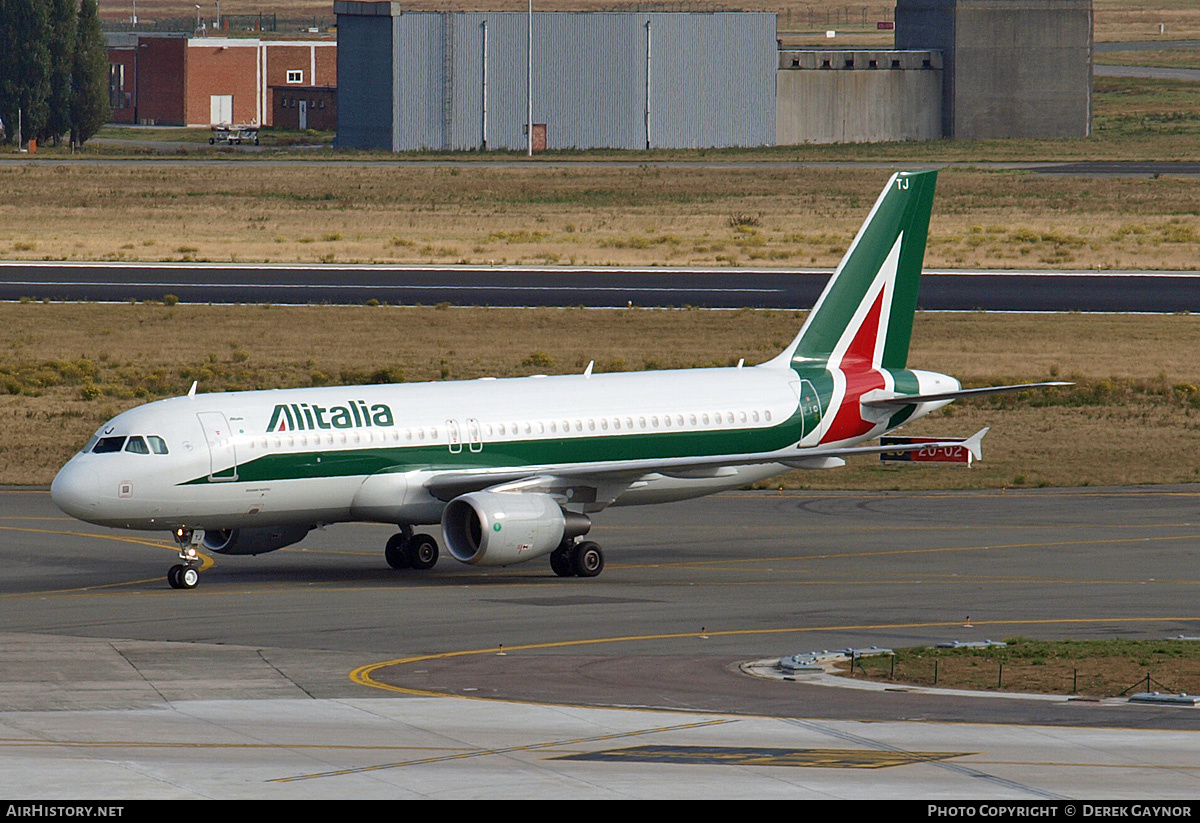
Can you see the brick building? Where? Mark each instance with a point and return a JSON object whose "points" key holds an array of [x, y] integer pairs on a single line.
{"points": [[305, 107], [179, 80]]}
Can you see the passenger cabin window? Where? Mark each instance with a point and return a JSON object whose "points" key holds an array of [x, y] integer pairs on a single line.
{"points": [[137, 445], [107, 445]]}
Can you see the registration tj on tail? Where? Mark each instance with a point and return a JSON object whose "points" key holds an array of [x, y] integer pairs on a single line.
{"points": [[514, 469]]}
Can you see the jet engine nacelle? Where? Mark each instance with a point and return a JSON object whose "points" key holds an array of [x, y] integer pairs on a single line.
{"points": [[502, 528], [258, 540]]}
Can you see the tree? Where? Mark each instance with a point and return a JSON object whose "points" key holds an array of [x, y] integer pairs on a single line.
{"points": [[89, 76], [24, 65], [63, 25]]}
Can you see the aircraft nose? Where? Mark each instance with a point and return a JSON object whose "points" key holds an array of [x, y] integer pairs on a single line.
{"points": [[76, 490]]}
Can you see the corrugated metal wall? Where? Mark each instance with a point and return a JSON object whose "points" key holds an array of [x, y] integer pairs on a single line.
{"points": [[711, 79]]}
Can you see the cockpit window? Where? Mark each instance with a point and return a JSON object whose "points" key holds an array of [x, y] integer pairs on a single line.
{"points": [[106, 445], [157, 444], [87, 448], [137, 445]]}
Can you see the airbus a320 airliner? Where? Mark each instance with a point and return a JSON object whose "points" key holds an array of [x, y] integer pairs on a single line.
{"points": [[514, 469]]}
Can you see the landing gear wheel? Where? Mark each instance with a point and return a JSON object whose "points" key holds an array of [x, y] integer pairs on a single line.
{"points": [[183, 577], [587, 559], [421, 552], [395, 553], [560, 561]]}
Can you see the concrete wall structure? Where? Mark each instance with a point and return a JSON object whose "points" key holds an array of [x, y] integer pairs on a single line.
{"points": [[608, 79], [1013, 68], [835, 96]]}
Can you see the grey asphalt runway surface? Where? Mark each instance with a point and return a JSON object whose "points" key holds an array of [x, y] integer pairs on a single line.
{"points": [[318, 666], [594, 287], [1152, 72]]}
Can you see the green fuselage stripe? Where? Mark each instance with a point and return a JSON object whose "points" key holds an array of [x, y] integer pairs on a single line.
{"points": [[318, 462]]}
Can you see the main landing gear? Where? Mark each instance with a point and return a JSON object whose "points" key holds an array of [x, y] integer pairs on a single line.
{"points": [[582, 559], [411, 551], [186, 575]]}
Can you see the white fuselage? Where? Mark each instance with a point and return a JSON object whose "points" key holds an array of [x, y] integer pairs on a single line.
{"points": [[241, 474]]}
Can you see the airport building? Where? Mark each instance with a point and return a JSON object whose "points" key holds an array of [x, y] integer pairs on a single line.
{"points": [[959, 69], [1012, 68], [181, 80], [606, 79]]}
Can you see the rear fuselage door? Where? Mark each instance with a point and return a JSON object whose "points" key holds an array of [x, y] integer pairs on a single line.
{"points": [[222, 455]]}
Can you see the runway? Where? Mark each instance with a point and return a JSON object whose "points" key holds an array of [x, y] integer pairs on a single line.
{"points": [[941, 290], [317, 671]]}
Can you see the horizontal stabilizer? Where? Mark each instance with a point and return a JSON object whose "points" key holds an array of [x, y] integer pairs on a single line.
{"points": [[905, 449], [973, 444], [912, 399]]}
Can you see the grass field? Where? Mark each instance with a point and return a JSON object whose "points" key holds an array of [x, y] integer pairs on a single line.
{"points": [[538, 214], [1097, 668], [1114, 19], [1134, 416]]}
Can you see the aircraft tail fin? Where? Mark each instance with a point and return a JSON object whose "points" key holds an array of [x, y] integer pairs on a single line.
{"points": [[866, 312]]}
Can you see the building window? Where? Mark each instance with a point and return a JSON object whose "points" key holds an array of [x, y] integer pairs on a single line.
{"points": [[295, 76], [116, 85]]}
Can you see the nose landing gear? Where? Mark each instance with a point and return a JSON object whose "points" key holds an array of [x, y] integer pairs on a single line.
{"points": [[186, 575]]}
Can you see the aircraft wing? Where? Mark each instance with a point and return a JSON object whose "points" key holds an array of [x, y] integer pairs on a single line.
{"points": [[899, 400], [603, 483]]}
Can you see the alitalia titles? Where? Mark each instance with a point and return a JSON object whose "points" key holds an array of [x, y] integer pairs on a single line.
{"points": [[309, 416]]}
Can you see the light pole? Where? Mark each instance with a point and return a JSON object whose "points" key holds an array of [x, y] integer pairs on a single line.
{"points": [[529, 79], [197, 17]]}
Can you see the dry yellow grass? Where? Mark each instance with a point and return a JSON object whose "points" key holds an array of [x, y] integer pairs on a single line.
{"points": [[598, 215], [1114, 19], [1135, 420]]}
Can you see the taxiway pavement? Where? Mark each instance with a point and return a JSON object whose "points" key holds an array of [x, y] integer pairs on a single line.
{"points": [[318, 672]]}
